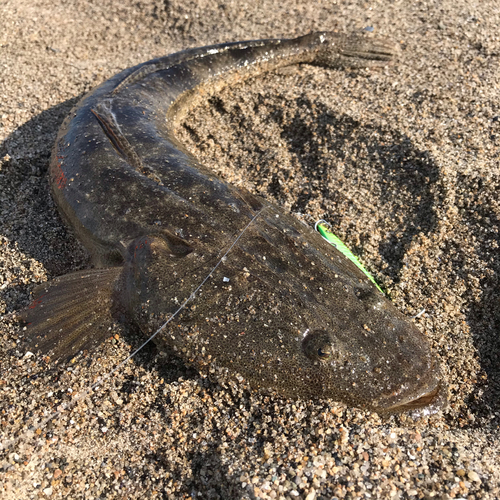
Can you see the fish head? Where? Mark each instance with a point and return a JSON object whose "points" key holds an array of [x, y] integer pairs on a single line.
{"points": [[371, 356], [324, 331], [297, 320], [365, 354]]}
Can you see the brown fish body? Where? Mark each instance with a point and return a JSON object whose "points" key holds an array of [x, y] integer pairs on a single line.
{"points": [[284, 311]]}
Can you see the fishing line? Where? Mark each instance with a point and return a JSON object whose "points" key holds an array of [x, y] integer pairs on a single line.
{"points": [[66, 406]]}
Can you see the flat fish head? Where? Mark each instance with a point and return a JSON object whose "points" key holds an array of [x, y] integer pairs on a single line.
{"points": [[366, 355], [371, 356], [285, 317]]}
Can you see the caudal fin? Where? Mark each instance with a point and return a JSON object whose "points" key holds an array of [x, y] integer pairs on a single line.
{"points": [[357, 50], [72, 313]]}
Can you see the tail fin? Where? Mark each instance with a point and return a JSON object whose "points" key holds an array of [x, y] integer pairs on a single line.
{"points": [[72, 313], [356, 50], [363, 45]]}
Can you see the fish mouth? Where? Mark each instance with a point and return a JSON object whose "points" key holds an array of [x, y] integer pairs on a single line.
{"points": [[426, 404], [425, 400]]}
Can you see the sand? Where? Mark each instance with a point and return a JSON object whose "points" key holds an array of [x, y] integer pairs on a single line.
{"points": [[402, 160]]}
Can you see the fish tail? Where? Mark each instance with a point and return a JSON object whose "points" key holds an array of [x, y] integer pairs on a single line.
{"points": [[358, 49], [72, 313]]}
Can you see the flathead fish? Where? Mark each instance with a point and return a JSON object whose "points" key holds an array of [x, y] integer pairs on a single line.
{"points": [[284, 312]]}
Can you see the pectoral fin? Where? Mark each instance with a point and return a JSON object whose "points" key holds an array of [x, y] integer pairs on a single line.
{"points": [[72, 313]]}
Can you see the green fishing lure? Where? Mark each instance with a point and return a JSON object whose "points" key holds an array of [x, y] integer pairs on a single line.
{"points": [[323, 228]]}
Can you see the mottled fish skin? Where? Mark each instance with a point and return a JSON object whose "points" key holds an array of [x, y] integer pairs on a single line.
{"points": [[285, 312]]}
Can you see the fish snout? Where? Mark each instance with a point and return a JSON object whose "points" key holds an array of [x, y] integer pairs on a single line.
{"points": [[391, 372], [425, 394], [426, 399]]}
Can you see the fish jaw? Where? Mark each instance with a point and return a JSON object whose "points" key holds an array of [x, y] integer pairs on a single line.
{"points": [[430, 399]]}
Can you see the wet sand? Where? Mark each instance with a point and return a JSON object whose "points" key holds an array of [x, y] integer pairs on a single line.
{"points": [[402, 160]]}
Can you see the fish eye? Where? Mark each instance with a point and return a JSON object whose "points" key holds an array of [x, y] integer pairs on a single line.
{"points": [[317, 345], [324, 352]]}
